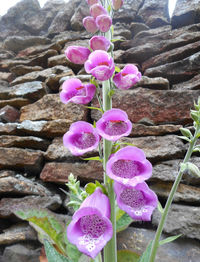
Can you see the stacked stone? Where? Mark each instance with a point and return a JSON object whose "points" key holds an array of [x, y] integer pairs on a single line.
{"points": [[33, 161]]}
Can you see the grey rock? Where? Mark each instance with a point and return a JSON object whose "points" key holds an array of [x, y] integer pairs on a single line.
{"points": [[158, 83], [81, 11], [181, 250], [17, 43], [181, 219], [23, 69], [192, 84]]}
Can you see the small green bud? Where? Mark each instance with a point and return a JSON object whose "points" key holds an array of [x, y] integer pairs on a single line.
{"points": [[192, 169], [194, 115], [186, 132]]}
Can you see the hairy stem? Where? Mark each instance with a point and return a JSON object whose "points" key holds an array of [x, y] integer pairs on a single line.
{"points": [[155, 244]]}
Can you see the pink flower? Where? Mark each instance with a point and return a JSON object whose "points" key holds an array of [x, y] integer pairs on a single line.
{"points": [[99, 43], [74, 91], [129, 166], [81, 138], [90, 228], [97, 9], [92, 2], [127, 78], [138, 201], [117, 4], [77, 54], [90, 25], [104, 22], [114, 124], [100, 65]]}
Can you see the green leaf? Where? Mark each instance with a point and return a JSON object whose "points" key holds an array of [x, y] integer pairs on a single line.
{"points": [[52, 254], [72, 251], [192, 169], [95, 158], [46, 224], [117, 69], [184, 138], [84, 258], [93, 81], [119, 213], [125, 143], [111, 93], [194, 115], [168, 239], [101, 186], [95, 108], [145, 256], [123, 222], [115, 40], [186, 132], [127, 256], [109, 8], [160, 208]]}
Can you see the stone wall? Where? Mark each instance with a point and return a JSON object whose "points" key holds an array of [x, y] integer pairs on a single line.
{"points": [[34, 165]]}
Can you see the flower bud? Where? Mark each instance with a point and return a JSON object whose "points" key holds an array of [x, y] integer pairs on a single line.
{"points": [[99, 43], [90, 25], [77, 54], [117, 4], [104, 23]]}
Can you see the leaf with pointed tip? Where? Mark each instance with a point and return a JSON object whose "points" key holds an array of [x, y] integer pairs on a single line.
{"points": [[123, 222], [127, 256], [169, 239], [52, 254], [145, 256], [95, 158], [160, 208]]}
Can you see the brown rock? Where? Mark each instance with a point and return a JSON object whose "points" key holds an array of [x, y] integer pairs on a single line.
{"points": [[22, 159], [62, 60], [192, 84], [68, 36], [9, 114], [46, 129], [81, 11], [22, 69], [158, 83], [159, 148], [41, 75], [143, 130], [15, 102], [6, 76], [51, 108], [8, 128], [17, 233], [137, 28], [178, 71], [154, 106], [184, 193], [154, 13], [8, 205], [6, 173], [24, 142], [59, 172], [20, 185]]}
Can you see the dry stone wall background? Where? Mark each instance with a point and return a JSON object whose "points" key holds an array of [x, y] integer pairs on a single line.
{"points": [[33, 162]]}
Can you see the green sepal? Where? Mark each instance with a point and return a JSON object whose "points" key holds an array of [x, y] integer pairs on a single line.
{"points": [[111, 93], [186, 132], [194, 115], [52, 254], [117, 69], [91, 187], [168, 239]]}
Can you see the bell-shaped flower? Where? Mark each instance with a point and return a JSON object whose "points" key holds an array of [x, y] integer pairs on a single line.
{"points": [[77, 54], [100, 65], [89, 22], [81, 138], [104, 22], [128, 77], [117, 4], [99, 43], [97, 9], [129, 166], [75, 92], [92, 2], [90, 228], [114, 124], [137, 201]]}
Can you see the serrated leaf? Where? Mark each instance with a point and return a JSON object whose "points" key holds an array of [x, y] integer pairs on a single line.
{"points": [[160, 208], [52, 254], [95, 158], [184, 138], [45, 223], [123, 222], [127, 256], [145, 256], [169, 239]]}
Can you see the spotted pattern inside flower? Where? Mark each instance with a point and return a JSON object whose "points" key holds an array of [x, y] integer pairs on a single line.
{"points": [[133, 198], [83, 140], [89, 241], [93, 226], [126, 168], [115, 127]]}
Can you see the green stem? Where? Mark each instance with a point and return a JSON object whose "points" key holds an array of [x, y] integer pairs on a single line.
{"points": [[98, 258], [156, 240]]}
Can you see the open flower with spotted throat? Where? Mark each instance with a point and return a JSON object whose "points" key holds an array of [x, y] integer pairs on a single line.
{"points": [[128, 77], [114, 124], [81, 138], [100, 65], [74, 91], [90, 228], [129, 166], [137, 201]]}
